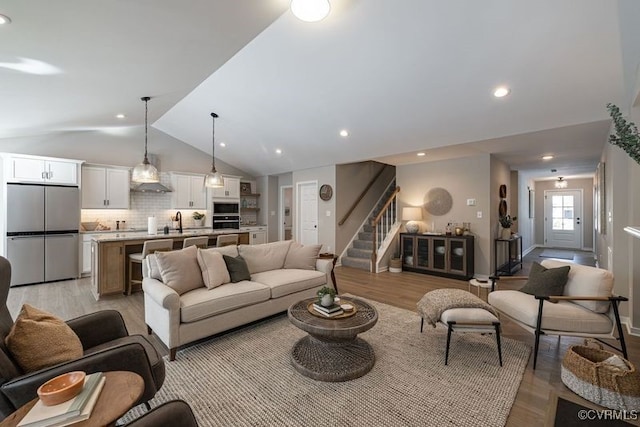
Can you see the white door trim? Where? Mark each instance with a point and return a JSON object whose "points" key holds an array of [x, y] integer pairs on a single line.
{"points": [[296, 218], [281, 210], [547, 200]]}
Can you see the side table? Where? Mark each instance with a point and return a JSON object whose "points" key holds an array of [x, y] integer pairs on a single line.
{"points": [[509, 251], [121, 390]]}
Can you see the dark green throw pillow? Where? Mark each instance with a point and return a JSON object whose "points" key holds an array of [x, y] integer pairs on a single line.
{"points": [[238, 269], [546, 281]]}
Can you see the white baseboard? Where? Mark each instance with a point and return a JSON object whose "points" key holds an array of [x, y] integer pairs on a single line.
{"points": [[529, 249], [630, 329]]}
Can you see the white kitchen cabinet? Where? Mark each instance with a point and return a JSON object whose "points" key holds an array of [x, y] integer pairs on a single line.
{"points": [[188, 192], [231, 189], [105, 187], [43, 170], [257, 235]]}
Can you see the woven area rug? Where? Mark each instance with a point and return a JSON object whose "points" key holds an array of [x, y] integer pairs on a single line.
{"points": [[245, 378], [553, 253]]}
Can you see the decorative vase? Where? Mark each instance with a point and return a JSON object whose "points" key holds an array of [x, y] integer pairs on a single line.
{"points": [[326, 300], [505, 234], [199, 222]]}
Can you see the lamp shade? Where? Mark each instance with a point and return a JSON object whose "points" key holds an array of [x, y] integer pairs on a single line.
{"points": [[412, 213]]}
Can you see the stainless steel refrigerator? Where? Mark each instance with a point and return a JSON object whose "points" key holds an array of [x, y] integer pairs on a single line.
{"points": [[42, 232]]}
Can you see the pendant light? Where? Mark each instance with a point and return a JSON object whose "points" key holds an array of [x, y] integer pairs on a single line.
{"points": [[310, 10], [145, 172], [213, 179]]}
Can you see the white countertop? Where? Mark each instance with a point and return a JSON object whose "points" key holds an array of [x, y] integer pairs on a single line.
{"points": [[138, 235]]}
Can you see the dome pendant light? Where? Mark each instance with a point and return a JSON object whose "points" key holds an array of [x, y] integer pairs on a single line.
{"points": [[310, 10], [213, 179], [145, 172]]}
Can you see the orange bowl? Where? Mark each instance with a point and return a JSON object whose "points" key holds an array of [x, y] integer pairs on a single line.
{"points": [[61, 388]]}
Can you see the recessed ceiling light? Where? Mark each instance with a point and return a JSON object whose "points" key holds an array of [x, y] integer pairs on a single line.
{"points": [[120, 116], [4, 19], [421, 154], [547, 157], [278, 151], [310, 10], [222, 144], [344, 133], [501, 92]]}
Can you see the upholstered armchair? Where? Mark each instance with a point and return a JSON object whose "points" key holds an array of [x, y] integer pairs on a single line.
{"points": [[106, 344], [587, 307]]}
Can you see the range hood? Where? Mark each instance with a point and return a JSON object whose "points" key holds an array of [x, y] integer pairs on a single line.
{"points": [[151, 187]]}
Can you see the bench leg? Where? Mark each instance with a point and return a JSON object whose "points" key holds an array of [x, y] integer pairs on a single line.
{"points": [[449, 330], [497, 326], [421, 324]]}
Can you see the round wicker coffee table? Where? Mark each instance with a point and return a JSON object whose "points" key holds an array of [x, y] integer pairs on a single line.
{"points": [[332, 351]]}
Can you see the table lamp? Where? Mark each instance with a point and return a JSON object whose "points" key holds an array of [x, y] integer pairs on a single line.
{"points": [[412, 214]]}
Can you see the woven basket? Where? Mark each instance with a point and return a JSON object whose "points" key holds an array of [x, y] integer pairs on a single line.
{"points": [[584, 372]]}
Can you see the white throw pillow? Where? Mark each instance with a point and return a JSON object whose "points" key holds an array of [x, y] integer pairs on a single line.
{"points": [[266, 257], [180, 269], [214, 269], [302, 257]]}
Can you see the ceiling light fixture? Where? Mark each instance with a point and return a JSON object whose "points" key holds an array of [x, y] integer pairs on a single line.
{"points": [[145, 172], [310, 10], [547, 157], [560, 183], [4, 19], [344, 133], [213, 179], [120, 116], [222, 144], [421, 154], [501, 92], [278, 151]]}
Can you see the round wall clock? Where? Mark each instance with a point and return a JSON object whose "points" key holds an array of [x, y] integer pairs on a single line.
{"points": [[326, 192]]}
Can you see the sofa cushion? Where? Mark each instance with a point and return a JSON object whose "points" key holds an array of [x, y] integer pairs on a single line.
{"points": [[288, 281], [202, 303], [180, 269], [265, 257], [237, 267], [302, 257], [154, 268], [586, 281], [563, 316], [39, 339], [214, 269], [546, 281]]}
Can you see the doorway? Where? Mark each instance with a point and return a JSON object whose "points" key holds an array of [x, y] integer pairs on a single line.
{"points": [[563, 218], [307, 212], [285, 228]]}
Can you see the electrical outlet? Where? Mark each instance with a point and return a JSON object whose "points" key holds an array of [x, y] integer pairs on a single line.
{"points": [[479, 214], [471, 202], [328, 213]]}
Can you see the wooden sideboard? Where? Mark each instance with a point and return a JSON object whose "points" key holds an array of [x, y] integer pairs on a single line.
{"points": [[440, 255]]}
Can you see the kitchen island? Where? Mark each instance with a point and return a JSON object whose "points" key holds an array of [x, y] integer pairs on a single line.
{"points": [[110, 253]]}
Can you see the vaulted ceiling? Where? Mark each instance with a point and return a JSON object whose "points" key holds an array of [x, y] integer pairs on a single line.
{"points": [[400, 76]]}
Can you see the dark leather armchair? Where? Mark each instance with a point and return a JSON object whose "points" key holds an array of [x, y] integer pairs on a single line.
{"points": [[172, 413], [107, 347]]}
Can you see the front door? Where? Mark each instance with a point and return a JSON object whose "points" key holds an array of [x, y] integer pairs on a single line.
{"points": [[307, 212], [563, 218]]}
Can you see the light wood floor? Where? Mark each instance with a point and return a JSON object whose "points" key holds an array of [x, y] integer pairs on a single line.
{"points": [[72, 298]]}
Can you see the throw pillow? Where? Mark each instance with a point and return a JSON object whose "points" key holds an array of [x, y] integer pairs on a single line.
{"points": [[265, 257], [237, 267], [302, 257], [39, 339], [214, 269], [546, 281], [180, 269]]}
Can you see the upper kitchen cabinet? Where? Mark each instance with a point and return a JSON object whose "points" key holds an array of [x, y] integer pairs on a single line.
{"points": [[188, 191], [105, 187], [231, 189], [36, 169]]}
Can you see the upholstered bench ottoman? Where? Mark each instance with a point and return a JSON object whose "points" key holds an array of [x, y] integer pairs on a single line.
{"points": [[459, 311]]}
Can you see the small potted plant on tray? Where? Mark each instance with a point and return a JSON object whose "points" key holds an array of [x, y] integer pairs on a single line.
{"points": [[326, 296], [198, 218]]}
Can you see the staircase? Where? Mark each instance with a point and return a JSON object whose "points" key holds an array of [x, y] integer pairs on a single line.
{"points": [[361, 249]]}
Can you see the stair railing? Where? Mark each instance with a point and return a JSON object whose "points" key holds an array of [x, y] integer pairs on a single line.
{"points": [[364, 192], [383, 224]]}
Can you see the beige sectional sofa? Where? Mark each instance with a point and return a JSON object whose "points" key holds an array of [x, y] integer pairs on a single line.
{"points": [[188, 294]]}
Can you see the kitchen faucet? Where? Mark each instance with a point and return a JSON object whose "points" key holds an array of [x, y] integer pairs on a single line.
{"points": [[179, 219]]}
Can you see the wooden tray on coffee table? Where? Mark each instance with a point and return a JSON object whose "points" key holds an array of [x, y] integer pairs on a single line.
{"points": [[339, 316]]}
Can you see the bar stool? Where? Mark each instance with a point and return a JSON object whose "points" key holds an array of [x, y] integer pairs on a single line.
{"points": [[200, 241], [227, 240], [149, 247]]}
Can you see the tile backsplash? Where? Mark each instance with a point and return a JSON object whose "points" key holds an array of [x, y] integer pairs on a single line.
{"points": [[142, 206]]}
